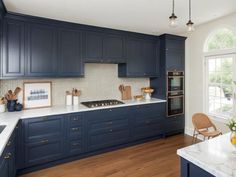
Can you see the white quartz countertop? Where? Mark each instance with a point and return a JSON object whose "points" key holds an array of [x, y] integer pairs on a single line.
{"points": [[216, 156], [10, 119]]}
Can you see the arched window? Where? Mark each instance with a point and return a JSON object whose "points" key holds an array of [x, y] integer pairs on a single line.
{"points": [[220, 67], [219, 40]]}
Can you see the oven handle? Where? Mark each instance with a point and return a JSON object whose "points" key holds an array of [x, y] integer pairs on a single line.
{"points": [[175, 76], [176, 96]]}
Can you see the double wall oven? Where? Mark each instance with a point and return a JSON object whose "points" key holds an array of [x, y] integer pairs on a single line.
{"points": [[175, 93]]}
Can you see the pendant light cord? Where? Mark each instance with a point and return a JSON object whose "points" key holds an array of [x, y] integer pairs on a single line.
{"points": [[190, 10], [173, 6]]}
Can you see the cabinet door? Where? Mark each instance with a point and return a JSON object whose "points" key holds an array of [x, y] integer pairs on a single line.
{"points": [[113, 49], [70, 54], [43, 151], [149, 56], [174, 59], [42, 50], [4, 167], [13, 49], [93, 47], [135, 63]]}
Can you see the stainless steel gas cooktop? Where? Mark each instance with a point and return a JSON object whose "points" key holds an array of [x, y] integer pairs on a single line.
{"points": [[101, 103]]}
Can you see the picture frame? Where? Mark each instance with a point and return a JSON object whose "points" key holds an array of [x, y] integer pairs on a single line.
{"points": [[37, 94]]}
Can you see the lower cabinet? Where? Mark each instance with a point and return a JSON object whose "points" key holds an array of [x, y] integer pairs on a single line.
{"points": [[7, 160], [188, 169], [43, 151], [58, 138], [174, 124], [107, 128]]}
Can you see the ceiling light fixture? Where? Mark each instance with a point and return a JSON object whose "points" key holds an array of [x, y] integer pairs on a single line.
{"points": [[190, 24], [173, 17]]}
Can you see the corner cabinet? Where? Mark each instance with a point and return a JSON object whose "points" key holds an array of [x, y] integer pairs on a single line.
{"points": [[41, 50], [142, 58], [13, 59]]}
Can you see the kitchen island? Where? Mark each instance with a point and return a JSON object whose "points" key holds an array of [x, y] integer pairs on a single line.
{"points": [[215, 157]]}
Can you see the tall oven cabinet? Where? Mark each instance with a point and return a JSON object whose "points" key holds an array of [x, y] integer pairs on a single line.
{"points": [[172, 62]]}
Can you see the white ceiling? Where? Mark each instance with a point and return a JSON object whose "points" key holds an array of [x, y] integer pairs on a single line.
{"points": [[145, 16]]}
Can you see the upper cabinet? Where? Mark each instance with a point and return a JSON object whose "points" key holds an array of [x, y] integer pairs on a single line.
{"points": [[103, 48], [13, 58], [142, 58], [42, 50], [70, 53], [173, 51]]}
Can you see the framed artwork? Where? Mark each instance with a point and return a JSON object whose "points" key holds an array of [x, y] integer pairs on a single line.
{"points": [[37, 95]]}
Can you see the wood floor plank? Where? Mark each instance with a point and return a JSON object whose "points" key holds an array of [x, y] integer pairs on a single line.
{"points": [[153, 159]]}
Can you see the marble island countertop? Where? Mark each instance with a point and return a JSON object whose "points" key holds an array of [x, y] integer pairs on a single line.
{"points": [[216, 156], [10, 119]]}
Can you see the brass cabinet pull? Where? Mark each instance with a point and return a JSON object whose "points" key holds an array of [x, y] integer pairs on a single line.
{"points": [[148, 122], [75, 129], [75, 144], [111, 130], [7, 157], [75, 119], [109, 123], [9, 143], [44, 141], [110, 110]]}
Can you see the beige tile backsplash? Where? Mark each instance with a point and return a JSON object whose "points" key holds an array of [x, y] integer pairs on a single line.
{"points": [[100, 82]]}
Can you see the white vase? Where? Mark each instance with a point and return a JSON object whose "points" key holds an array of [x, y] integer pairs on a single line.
{"points": [[2, 108]]}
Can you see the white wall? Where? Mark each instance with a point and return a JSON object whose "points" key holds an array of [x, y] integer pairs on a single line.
{"points": [[195, 68], [100, 82]]}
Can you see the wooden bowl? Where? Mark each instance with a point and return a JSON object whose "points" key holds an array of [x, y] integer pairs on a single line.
{"points": [[138, 97]]}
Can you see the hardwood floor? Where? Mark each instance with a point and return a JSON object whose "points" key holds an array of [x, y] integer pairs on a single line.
{"points": [[153, 159]]}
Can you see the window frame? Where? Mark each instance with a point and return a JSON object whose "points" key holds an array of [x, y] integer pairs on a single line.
{"points": [[217, 54]]}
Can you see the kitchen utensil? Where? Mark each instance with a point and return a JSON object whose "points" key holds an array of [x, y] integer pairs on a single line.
{"points": [[125, 92], [138, 97]]}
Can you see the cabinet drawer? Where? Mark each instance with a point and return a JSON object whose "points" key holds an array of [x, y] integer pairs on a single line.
{"points": [[107, 113], [43, 151], [108, 125], [150, 110], [76, 119], [75, 132], [44, 127], [148, 120], [174, 124], [100, 141], [148, 130], [75, 147]]}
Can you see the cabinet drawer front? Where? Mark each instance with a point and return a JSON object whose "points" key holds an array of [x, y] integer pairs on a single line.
{"points": [[75, 147], [147, 131], [76, 132], [150, 109], [148, 120], [43, 151], [75, 120], [45, 127], [108, 114], [100, 141], [105, 126]]}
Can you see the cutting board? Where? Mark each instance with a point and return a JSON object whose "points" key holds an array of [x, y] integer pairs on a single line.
{"points": [[126, 92]]}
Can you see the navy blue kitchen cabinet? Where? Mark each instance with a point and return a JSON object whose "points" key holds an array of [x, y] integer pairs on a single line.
{"points": [[148, 121], [41, 50], [43, 139], [188, 169], [70, 53], [75, 134], [13, 61], [174, 124], [142, 58], [173, 52], [106, 128], [7, 160], [103, 48]]}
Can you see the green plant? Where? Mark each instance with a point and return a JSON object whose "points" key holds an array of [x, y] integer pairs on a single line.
{"points": [[232, 125]]}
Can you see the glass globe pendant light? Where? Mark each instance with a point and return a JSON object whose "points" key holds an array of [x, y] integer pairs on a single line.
{"points": [[190, 24], [173, 17]]}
